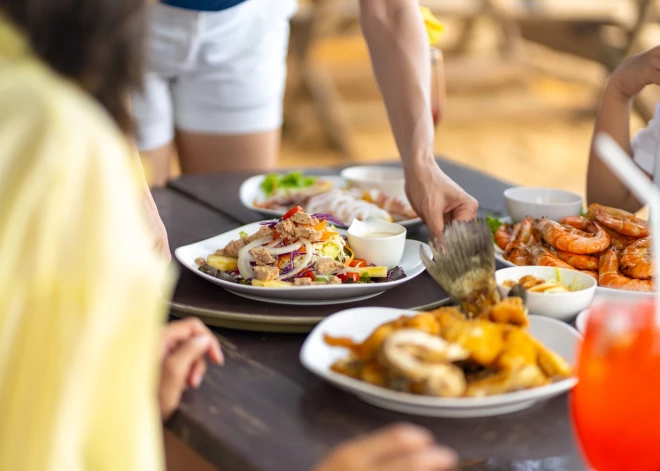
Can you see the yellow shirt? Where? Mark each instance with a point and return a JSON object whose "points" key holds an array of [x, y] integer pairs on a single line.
{"points": [[79, 282]]}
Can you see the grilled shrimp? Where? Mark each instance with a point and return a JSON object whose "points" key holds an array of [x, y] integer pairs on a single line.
{"points": [[636, 261], [609, 275], [591, 273], [524, 234], [618, 241], [579, 261], [544, 257], [621, 221], [569, 239], [503, 235]]}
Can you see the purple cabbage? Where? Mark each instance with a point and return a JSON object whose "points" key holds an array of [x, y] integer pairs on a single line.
{"points": [[328, 217], [270, 224]]}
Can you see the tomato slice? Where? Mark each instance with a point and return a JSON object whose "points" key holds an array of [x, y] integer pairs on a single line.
{"points": [[358, 262], [308, 274], [292, 211], [349, 277]]}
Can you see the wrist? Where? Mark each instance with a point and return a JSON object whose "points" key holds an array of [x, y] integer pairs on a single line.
{"points": [[419, 162], [614, 90]]}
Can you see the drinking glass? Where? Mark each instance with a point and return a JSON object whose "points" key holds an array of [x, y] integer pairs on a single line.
{"points": [[616, 403], [438, 88]]}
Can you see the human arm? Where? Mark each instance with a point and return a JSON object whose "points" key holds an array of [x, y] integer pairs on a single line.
{"points": [[625, 83], [400, 447], [400, 56]]}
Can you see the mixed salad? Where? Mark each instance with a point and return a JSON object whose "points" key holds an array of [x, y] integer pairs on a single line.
{"points": [[299, 249]]}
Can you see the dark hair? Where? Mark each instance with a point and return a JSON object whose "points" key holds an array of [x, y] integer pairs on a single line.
{"points": [[99, 44]]}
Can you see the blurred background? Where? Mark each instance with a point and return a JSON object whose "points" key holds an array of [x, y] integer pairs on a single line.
{"points": [[523, 80]]}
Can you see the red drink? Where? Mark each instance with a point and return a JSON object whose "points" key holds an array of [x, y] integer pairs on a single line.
{"points": [[616, 403]]}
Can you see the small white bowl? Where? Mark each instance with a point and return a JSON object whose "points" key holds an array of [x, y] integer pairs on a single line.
{"points": [[541, 202], [377, 241], [389, 180], [562, 306]]}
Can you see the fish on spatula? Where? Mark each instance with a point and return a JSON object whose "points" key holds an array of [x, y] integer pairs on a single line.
{"points": [[464, 267]]}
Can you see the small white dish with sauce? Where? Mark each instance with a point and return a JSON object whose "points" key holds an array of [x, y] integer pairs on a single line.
{"points": [[377, 241], [541, 202]]}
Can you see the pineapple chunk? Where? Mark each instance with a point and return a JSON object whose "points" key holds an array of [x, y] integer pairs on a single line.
{"points": [[272, 284], [373, 272], [222, 263]]}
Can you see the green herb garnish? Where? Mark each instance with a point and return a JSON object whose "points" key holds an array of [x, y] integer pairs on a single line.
{"points": [[493, 223], [365, 278], [243, 234], [289, 181], [583, 212]]}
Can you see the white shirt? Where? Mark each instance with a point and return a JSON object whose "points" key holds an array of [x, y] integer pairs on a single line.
{"points": [[646, 146]]}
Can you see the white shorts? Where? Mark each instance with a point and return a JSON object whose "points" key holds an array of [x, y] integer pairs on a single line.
{"points": [[213, 72]]}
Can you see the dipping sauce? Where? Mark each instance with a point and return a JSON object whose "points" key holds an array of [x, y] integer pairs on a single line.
{"points": [[378, 235]]}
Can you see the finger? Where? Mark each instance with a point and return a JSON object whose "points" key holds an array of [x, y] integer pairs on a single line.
{"points": [[181, 330], [181, 361], [432, 459], [400, 439], [466, 211], [436, 226], [197, 372]]}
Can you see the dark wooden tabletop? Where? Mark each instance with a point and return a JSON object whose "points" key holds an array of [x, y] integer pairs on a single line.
{"points": [[263, 411]]}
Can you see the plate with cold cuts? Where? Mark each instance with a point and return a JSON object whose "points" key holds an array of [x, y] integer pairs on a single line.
{"points": [[273, 195], [372, 282]]}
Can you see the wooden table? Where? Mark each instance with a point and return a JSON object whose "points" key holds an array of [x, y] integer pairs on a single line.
{"points": [[262, 411]]}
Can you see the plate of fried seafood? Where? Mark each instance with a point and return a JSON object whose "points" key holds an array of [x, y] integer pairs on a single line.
{"points": [[608, 244], [273, 194], [442, 363]]}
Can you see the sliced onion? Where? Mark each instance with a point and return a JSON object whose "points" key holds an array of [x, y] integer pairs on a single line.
{"points": [[287, 249], [274, 243], [244, 257], [304, 264]]}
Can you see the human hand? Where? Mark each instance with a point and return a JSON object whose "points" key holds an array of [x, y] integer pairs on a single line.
{"points": [[184, 345], [400, 447], [437, 198], [637, 72]]}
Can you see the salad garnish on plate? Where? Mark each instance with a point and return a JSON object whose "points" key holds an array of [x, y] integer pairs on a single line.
{"points": [[300, 249]]}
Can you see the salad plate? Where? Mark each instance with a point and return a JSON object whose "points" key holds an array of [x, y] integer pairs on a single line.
{"points": [[358, 323], [256, 191], [287, 293]]}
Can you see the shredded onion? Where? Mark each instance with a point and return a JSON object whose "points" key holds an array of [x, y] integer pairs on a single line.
{"points": [[287, 249], [244, 257], [274, 243], [305, 261]]}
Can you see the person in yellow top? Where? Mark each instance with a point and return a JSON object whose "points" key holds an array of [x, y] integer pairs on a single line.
{"points": [[81, 286]]}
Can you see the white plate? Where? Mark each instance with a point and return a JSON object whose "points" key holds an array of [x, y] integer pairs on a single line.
{"points": [[251, 191], [358, 323], [499, 256], [325, 294]]}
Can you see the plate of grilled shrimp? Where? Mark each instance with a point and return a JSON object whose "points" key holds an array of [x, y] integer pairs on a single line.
{"points": [[273, 194], [483, 356], [609, 244]]}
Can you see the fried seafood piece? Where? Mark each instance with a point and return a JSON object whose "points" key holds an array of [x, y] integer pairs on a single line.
{"points": [[589, 238], [374, 373], [509, 311], [621, 221], [522, 377], [483, 339], [636, 260], [610, 276], [426, 322], [503, 235], [552, 365], [349, 366], [425, 360], [578, 261]]}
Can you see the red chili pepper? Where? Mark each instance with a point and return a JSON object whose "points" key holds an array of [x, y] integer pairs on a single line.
{"points": [[349, 277], [358, 262], [291, 212], [308, 274]]}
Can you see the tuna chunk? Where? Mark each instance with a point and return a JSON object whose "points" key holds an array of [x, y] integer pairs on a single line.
{"points": [[302, 218], [233, 247], [264, 231], [286, 228], [266, 273], [261, 256], [308, 233], [334, 280], [326, 266], [304, 281]]}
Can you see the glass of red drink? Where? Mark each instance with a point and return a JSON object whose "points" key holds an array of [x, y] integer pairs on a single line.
{"points": [[616, 403]]}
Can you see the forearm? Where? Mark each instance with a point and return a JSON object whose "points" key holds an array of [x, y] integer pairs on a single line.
{"points": [[603, 186], [400, 57]]}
